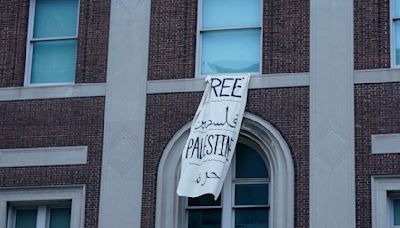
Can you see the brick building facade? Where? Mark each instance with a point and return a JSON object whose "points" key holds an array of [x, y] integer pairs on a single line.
{"points": [[102, 144]]}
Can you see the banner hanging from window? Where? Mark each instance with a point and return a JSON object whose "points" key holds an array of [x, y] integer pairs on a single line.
{"points": [[213, 135]]}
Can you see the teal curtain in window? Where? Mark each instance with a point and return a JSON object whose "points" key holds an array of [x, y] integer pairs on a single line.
{"points": [[230, 34], [26, 218], [54, 61], [397, 29], [55, 18], [231, 51], [230, 13], [60, 217], [396, 212]]}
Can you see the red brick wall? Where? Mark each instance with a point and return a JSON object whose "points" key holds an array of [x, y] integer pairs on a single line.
{"points": [[371, 34], [92, 41], [285, 108], [285, 38], [173, 38], [376, 112], [56, 122]]}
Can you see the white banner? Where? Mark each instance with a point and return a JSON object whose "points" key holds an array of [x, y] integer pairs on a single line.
{"points": [[213, 135]]}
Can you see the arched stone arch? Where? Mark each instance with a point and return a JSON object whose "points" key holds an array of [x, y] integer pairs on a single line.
{"points": [[274, 148]]}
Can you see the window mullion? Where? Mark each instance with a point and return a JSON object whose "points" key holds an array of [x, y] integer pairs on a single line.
{"points": [[29, 45], [202, 207], [11, 218], [226, 199], [41, 217], [229, 28], [54, 38]]}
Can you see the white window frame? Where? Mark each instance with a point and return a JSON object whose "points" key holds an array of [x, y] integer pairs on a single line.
{"points": [[29, 46], [43, 211], [42, 196], [275, 149], [393, 34], [228, 192], [392, 197], [382, 202], [199, 39]]}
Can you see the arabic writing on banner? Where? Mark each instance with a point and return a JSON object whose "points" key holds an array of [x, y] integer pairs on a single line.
{"points": [[213, 135]]}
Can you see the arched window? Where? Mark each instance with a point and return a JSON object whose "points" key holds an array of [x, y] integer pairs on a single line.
{"points": [[254, 192], [244, 200]]}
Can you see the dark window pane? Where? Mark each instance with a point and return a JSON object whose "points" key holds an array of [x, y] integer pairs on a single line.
{"points": [[251, 218], [60, 218], [249, 164], [396, 211], [205, 200], [251, 194], [26, 218], [210, 218]]}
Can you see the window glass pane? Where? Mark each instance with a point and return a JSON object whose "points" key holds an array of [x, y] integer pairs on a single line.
{"points": [[397, 8], [251, 194], [26, 218], [230, 51], [249, 164], [210, 218], [230, 13], [60, 217], [251, 218], [55, 18], [396, 211], [204, 200], [397, 24], [53, 61]]}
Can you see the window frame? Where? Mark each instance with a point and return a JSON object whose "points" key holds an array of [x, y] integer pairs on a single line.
{"points": [[393, 19], [391, 197], [199, 39], [43, 211], [34, 196], [382, 189], [29, 46], [276, 150], [228, 191]]}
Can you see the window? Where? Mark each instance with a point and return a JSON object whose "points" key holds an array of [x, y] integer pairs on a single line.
{"points": [[229, 36], [244, 200], [277, 181], [394, 211], [52, 42], [39, 215], [385, 202], [395, 39], [38, 207]]}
